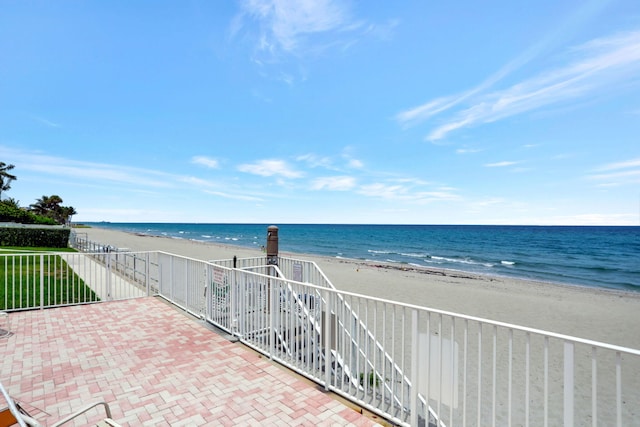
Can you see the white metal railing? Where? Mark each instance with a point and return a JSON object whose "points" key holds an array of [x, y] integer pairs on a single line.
{"points": [[45, 279], [412, 365]]}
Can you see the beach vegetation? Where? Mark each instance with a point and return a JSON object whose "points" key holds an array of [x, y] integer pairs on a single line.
{"points": [[46, 210], [21, 286], [373, 379], [51, 207], [9, 212], [6, 177]]}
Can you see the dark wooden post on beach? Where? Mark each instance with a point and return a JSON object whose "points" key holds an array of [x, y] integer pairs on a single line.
{"points": [[272, 245]]}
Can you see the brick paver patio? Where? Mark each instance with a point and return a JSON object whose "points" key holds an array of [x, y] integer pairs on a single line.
{"points": [[155, 366]]}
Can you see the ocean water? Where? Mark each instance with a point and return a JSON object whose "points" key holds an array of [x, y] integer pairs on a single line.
{"points": [[603, 257]]}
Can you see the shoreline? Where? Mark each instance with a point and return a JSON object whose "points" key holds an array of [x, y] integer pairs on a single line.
{"points": [[405, 267], [623, 289], [599, 314]]}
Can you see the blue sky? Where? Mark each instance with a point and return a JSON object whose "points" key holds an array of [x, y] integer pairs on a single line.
{"points": [[467, 112]]}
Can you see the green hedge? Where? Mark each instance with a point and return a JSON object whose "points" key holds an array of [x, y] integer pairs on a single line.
{"points": [[34, 237]]}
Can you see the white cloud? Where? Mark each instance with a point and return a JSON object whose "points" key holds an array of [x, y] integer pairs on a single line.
{"points": [[596, 67], [46, 122], [500, 164], [334, 183], [633, 163], [235, 196], [423, 112], [205, 161], [90, 171], [468, 150], [407, 192], [384, 191], [284, 24], [270, 167], [355, 164], [619, 173], [191, 180], [313, 161]]}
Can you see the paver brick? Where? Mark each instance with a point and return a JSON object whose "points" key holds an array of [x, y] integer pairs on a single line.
{"points": [[154, 366]]}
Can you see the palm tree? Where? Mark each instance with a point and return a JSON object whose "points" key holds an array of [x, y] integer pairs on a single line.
{"points": [[50, 206], [66, 212], [46, 205], [5, 177]]}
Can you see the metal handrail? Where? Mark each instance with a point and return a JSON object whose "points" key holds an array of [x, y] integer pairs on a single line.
{"points": [[12, 407], [82, 411]]}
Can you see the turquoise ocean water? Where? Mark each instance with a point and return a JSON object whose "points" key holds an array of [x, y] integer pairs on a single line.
{"points": [[604, 257]]}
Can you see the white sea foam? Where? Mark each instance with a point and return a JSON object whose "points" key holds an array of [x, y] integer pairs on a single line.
{"points": [[440, 260], [507, 262], [413, 255]]}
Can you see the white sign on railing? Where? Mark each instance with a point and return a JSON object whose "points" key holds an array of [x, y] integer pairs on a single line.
{"points": [[438, 352]]}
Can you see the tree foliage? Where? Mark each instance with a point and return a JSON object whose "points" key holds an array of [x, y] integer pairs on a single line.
{"points": [[46, 210], [11, 213], [51, 207], [5, 177]]}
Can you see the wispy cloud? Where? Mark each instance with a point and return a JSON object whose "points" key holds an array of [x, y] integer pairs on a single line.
{"points": [[500, 164], [314, 161], [407, 193], [235, 196], [270, 167], [468, 150], [618, 173], [284, 25], [355, 164], [206, 161], [198, 182], [46, 122], [334, 183], [595, 67], [91, 171], [331, 163], [633, 163]]}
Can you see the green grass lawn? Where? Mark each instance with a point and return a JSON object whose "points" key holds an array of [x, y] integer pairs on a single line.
{"points": [[26, 276]]}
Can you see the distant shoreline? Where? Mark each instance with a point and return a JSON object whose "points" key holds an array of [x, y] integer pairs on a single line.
{"points": [[581, 256], [397, 266], [402, 267]]}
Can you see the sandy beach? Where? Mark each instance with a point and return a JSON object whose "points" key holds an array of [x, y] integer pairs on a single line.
{"points": [[601, 315]]}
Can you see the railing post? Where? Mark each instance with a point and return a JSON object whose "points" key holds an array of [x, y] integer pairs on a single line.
{"points": [[171, 293], [568, 383], [41, 281], [147, 279], [413, 396], [326, 332], [108, 279], [272, 324], [233, 321]]}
